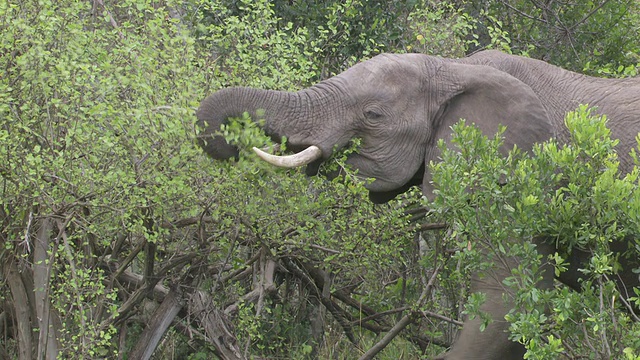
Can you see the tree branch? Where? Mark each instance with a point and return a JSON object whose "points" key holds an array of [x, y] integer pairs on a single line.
{"points": [[158, 325], [216, 326], [111, 19], [265, 287], [403, 323]]}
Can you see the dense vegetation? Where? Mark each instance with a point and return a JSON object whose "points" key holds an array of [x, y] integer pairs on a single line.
{"points": [[121, 239]]}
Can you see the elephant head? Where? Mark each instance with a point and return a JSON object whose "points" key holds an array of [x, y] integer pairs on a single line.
{"points": [[398, 105]]}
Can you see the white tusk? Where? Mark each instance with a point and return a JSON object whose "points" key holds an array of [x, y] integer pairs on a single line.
{"points": [[304, 157]]}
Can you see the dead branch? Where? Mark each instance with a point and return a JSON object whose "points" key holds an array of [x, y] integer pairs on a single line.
{"points": [[125, 264], [265, 287], [117, 245], [432, 226], [319, 277], [217, 327], [441, 317], [319, 281], [158, 325], [135, 281], [146, 288], [384, 313], [403, 323], [149, 262], [182, 223], [426, 292], [239, 272]]}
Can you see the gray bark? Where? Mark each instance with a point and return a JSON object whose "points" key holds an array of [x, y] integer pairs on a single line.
{"points": [[21, 309], [216, 325], [47, 339], [160, 322]]}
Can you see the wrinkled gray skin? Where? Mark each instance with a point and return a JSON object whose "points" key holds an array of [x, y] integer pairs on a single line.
{"points": [[400, 105]]}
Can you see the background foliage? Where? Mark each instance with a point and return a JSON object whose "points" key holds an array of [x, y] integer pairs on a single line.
{"points": [[112, 220]]}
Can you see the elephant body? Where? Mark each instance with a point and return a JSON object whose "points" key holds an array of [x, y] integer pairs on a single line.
{"points": [[561, 91], [401, 105]]}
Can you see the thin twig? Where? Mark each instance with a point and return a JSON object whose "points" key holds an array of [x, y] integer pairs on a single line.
{"points": [[603, 332], [441, 317], [111, 19], [25, 242]]}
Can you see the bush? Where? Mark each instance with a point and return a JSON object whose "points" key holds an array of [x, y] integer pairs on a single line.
{"points": [[587, 36], [113, 224], [124, 223], [570, 194]]}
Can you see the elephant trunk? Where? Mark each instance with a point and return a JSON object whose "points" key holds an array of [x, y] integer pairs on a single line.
{"points": [[278, 107]]}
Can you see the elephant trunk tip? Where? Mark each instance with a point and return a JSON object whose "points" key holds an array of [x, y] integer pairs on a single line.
{"points": [[216, 147]]}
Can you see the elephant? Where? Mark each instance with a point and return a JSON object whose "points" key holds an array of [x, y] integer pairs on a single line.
{"points": [[400, 105]]}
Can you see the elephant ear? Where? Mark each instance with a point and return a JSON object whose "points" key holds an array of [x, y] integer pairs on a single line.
{"points": [[487, 97]]}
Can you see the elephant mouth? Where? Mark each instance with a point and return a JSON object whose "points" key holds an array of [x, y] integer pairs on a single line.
{"points": [[312, 158], [381, 197]]}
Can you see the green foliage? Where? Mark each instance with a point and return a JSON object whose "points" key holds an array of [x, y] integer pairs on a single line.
{"points": [[96, 125], [96, 116], [572, 195], [327, 36], [331, 225], [345, 32], [595, 36], [441, 29], [252, 48]]}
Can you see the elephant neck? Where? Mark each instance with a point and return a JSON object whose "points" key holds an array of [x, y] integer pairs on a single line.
{"points": [[559, 90]]}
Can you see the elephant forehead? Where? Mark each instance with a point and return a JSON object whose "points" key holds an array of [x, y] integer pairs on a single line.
{"points": [[386, 69]]}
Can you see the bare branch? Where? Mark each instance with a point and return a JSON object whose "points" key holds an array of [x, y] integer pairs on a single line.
{"points": [[403, 323], [441, 317], [158, 325], [147, 287], [266, 287], [125, 264], [589, 14], [383, 313], [432, 226], [521, 13], [182, 223], [316, 279], [219, 331], [135, 281]]}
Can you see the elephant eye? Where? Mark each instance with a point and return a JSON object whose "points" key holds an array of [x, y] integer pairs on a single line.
{"points": [[372, 115]]}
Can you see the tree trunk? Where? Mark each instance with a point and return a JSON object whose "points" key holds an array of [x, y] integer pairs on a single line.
{"points": [[20, 308], [47, 339]]}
